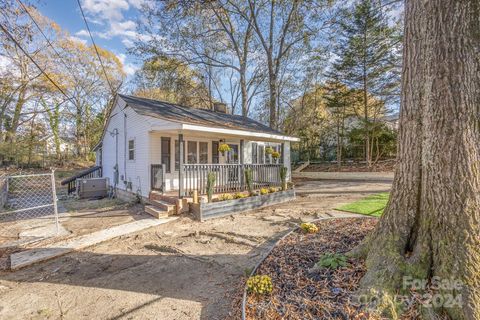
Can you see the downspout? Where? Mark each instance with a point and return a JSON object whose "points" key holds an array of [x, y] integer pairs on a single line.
{"points": [[125, 146]]}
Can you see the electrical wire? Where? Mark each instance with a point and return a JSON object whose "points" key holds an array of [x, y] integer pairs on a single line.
{"points": [[45, 36], [95, 47], [4, 29]]}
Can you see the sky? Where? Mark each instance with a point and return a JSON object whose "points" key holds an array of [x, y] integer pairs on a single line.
{"points": [[112, 22]]}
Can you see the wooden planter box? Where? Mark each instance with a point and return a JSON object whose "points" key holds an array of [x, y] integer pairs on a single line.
{"points": [[204, 211]]}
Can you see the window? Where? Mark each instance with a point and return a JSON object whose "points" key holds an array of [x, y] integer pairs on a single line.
{"points": [[261, 154], [268, 157], [215, 158], [192, 152], [131, 149], [254, 153], [203, 152], [232, 155], [165, 149]]}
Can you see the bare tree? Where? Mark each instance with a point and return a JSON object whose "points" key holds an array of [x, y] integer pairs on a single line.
{"points": [[281, 27], [213, 34]]}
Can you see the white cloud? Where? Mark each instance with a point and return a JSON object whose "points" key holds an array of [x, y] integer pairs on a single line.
{"points": [[108, 9], [137, 4], [82, 33], [127, 42], [5, 63], [111, 14], [129, 68], [77, 39], [126, 28]]}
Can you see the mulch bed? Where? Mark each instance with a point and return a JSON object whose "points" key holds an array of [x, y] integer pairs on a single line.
{"points": [[298, 292]]}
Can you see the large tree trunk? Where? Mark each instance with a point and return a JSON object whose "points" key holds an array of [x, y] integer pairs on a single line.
{"points": [[431, 226]]}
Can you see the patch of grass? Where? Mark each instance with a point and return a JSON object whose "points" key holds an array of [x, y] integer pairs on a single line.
{"points": [[371, 206]]}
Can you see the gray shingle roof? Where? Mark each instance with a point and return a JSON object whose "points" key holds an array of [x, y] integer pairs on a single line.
{"points": [[178, 113]]}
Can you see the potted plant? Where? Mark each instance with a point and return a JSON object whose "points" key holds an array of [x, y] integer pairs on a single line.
{"points": [[223, 147], [269, 150], [275, 155]]}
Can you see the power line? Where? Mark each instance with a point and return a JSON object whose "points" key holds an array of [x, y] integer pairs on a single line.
{"points": [[95, 47], [31, 59], [46, 38]]}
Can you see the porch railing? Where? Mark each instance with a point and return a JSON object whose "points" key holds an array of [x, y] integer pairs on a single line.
{"points": [[94, 172], [157, 172], [229, 177]]}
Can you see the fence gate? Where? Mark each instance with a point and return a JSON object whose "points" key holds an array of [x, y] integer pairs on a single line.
{"points": [[26, 202]]}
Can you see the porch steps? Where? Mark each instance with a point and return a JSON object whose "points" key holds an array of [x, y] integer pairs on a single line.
{"points": [[180, 205], [156, 212], [167, 206], [154, 195]]}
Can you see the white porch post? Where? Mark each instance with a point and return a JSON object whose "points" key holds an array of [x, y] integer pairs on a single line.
{"points": [[241, 167], [180, 169]]}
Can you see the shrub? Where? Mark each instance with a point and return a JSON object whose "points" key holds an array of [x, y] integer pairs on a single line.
{"points": [[260, 284], [240, 195], [331, 261], [210, 184], [248, 180], [308, 227], [272, 189], [264, 191], [283, 176], [225, 196]]}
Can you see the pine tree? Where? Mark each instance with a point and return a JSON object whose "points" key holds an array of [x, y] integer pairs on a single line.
{"points": [[368, 62]]}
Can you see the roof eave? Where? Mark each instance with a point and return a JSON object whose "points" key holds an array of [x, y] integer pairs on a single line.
{"points": [[256, 134]]}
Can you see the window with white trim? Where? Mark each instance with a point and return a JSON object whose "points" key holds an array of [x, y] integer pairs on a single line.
{"points": [[131, 149]]}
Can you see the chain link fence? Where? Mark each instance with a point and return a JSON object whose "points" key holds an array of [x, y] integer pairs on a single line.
{"points": [[26, 202]]}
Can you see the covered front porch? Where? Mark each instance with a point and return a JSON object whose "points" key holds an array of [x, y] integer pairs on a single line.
{"points": [[180, 160]]}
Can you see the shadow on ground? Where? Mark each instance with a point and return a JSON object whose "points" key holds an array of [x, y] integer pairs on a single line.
{"points": [[162, 277]]}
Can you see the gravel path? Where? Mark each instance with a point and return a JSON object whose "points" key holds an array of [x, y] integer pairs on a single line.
{"points": [[181, 270]]}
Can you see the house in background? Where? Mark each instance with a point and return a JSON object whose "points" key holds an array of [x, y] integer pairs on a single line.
{"points": [[392, 121], [153, 146]]}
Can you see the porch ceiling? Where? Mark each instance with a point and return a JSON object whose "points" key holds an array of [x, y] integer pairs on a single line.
{"points": [[220, 133]]}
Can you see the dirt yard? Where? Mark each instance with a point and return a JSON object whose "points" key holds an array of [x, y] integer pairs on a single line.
{"points": [[76, 217], [180, 270]]}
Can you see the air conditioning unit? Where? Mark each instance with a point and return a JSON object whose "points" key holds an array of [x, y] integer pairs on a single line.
{"points": [[92, 188]]}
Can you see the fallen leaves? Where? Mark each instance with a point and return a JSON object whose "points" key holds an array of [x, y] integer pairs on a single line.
{"points": [[301, 293]]}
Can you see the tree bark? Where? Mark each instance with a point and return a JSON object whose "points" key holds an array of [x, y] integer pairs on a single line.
{"points": [[431, 226], [244, 90]]}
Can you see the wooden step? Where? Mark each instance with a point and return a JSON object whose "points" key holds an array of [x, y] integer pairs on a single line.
{"points": [[154, 195], [167, 206], [156, 212]]}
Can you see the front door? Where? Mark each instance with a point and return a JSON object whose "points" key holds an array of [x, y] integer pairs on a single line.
{"points": [[157, 176], [232, 155], [233, 158]]}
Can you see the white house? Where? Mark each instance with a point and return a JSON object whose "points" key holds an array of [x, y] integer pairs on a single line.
{"points": [[146, 142]]}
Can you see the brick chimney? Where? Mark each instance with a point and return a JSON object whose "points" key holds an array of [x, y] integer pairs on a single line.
{"points": [[220, 107]]}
